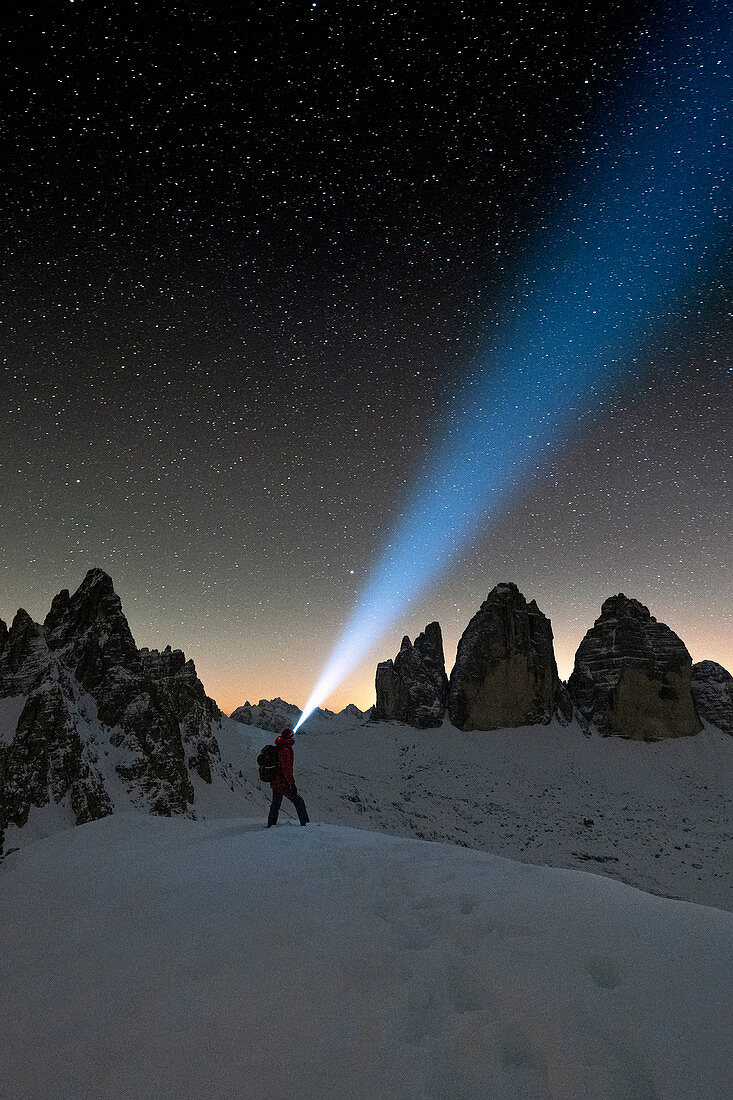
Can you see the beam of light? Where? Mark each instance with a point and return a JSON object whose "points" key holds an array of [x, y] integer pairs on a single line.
{"points": [[637, 245]]}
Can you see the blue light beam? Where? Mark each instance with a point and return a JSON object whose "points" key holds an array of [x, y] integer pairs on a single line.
{"points": [[641, 237]]}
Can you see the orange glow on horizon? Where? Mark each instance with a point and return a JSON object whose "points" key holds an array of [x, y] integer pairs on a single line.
{"points": [[230, 692]]}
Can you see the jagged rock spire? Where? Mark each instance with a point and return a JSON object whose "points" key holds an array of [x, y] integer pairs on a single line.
{"points": [[414, 687], [80, 682]]}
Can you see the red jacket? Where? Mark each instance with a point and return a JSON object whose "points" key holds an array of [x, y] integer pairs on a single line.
{"points": [[284, 780]]}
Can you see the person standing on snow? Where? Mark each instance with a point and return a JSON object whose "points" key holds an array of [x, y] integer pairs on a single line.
{"points": [[284, 783]]}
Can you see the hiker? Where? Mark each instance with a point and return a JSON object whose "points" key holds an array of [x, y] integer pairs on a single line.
{"points": [[283, 783]]}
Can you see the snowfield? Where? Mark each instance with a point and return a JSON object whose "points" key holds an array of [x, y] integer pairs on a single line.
{"points": [[171, 958], [655, 815], [155, 958]]}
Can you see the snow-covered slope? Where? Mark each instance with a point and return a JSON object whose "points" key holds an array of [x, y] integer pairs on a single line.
{"points": [[90, 724], [225, 794], [153, 958], [656, 815]]}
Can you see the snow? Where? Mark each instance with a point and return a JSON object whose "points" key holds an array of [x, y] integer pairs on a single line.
{"points": [[655, 815], [42, 821], [155, 958], [660, 815]]}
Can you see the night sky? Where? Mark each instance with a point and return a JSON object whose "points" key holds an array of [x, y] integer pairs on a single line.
{"points": [[249, 259]]}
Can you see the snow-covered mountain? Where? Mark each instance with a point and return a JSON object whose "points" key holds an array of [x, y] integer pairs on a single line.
{"points": [[276, 715], [90, 723], [146, 959], [633, 675]]}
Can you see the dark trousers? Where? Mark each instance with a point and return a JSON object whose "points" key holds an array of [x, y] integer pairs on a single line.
{"points": [[295, 798]]}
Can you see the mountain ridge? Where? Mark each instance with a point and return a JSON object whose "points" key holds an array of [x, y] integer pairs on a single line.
{"points": [[92, 721]]}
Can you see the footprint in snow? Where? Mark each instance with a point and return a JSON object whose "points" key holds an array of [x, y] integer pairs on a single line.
{"points": [[604, 972]]}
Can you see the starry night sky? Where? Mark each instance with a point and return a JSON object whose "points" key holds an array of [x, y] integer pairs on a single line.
{"points": [[249, 257]]}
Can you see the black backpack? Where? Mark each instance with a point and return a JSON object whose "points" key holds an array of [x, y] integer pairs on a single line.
{"points": [[267, 763]]}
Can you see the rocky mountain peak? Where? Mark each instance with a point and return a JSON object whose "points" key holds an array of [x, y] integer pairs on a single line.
{"points": [[712, 690], [505, 672], [275, 714], [94, 606], [23, 655], [168, 662], [83, 684], [506, 588], [23, 635], [92, 631], [414, 687], [632, 675], [429, 645], [269, 714], [620, 606]]}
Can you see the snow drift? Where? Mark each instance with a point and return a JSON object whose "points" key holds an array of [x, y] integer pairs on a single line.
{"points": [[155, 958]]}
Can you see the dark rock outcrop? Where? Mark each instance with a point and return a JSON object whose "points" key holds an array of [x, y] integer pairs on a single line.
{"points": [[414, 687], [92, 631], [47, 760], [505, 672], [180, 687], [633, 675], [712, 690], [94, 710], [23, 657]]}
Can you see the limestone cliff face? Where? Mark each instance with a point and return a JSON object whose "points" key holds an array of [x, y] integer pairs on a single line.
{"points": [[712, 690], [633, 675], [89, 711], [414, 687], [196, 714], [505, 672]]}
